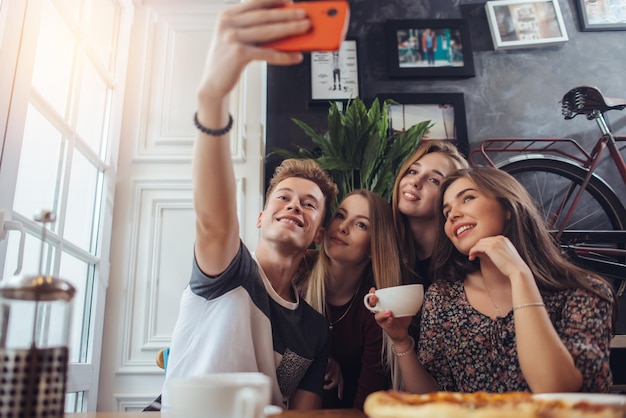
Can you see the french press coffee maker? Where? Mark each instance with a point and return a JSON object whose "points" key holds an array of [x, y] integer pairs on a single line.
{"points": [[34, 327]]}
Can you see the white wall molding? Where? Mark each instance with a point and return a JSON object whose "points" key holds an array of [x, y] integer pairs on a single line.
{"points": [[167, 131], [160, 260]]}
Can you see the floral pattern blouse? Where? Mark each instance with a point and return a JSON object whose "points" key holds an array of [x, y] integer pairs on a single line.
{"points": [[467, 351]]}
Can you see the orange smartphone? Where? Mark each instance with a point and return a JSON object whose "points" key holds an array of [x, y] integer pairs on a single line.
{"points": [[329, 24]]}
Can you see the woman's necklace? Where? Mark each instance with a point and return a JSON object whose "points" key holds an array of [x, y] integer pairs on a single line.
{"points": [[491, 299], [331, 324]]}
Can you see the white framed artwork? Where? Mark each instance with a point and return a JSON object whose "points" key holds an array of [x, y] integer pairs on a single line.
{"points": [[525, 24], [335, 75]]}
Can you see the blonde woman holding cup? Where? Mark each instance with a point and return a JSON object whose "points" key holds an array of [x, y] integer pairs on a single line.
{"points": [[359, 251]]}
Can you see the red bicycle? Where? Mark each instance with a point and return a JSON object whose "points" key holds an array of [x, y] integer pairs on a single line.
{"points": [[585, 214]]}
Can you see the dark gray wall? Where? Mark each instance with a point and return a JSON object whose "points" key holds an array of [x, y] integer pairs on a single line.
{"points": [[514, 93]]}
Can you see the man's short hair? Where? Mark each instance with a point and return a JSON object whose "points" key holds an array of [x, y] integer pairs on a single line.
{"points": [[309, 170]]}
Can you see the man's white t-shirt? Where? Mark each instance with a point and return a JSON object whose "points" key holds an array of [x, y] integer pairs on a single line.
{"points": [[236, 322]]}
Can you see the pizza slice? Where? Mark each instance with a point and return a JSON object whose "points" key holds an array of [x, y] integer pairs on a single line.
{"points": [[392, 404]]}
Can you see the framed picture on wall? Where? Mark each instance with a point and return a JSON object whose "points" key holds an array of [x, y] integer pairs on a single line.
{"points": [[446, 111], [429, 48], [602, 14], [335, 75], [524, 23]]}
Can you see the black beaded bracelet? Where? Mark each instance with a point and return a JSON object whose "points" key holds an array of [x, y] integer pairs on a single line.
{"points": [[213, 132]]}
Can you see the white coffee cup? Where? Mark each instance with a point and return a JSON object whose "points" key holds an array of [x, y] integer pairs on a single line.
{"points": [[405, 300], [219, 395]]}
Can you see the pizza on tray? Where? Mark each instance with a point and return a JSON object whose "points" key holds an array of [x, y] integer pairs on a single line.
{"points": [[392, 404]]}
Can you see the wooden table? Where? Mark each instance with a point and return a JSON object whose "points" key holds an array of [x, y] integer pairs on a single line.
{"points": [[315, 413]]}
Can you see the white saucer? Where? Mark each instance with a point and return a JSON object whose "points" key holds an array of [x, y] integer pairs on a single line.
{"points": [[272, 410], [597, 398]]}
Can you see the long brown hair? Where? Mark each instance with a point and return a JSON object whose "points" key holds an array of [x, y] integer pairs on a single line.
{"points": [[526, 230], [401, 222]]}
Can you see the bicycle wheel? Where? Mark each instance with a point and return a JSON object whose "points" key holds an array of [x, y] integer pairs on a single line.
{"points": [[552, 182]]}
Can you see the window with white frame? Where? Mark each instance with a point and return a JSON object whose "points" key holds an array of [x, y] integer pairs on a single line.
{"points": [[60, 114]]}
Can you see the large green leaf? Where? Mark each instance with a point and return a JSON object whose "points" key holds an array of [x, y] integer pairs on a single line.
{"points": [[334, 163], [358, 149]]}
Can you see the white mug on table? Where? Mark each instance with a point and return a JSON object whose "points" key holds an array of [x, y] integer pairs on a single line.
{"points": [[219, 395]]}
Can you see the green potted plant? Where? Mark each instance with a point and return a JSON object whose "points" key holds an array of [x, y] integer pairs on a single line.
{"points": [[359, 150]]}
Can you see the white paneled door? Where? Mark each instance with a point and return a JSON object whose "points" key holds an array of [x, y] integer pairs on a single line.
{"points": [[153, 221]]}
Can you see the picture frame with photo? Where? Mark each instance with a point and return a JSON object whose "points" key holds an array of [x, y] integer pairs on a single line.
{"points": [[335, 75], [446, 111], [429, 48], [525, 23], [598, 15]]}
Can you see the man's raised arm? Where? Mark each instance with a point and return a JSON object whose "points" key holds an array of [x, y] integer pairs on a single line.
{"points": [[239, 31]]}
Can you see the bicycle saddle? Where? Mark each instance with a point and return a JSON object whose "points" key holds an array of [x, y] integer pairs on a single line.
{"points": [[588, 100]]}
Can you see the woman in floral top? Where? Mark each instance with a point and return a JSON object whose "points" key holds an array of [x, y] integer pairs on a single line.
{"points": [[507, 311]]}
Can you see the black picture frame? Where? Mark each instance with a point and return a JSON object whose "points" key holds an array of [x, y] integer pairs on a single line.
{"points": [[342, 83], [601, 15], [408, 52], [445, 110]]}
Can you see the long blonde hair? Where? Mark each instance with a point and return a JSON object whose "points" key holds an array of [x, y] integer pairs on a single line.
{"points": [[401, 222], [384, 266], [385, 259]]}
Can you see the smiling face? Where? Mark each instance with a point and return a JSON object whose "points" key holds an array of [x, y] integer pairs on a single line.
{"points": [[347, 237], [471, 214], [419, 186], [293, 214]]}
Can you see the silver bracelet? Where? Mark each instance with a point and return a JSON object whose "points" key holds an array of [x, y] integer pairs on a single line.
{"points": [[404, 353], [528, 305]]}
